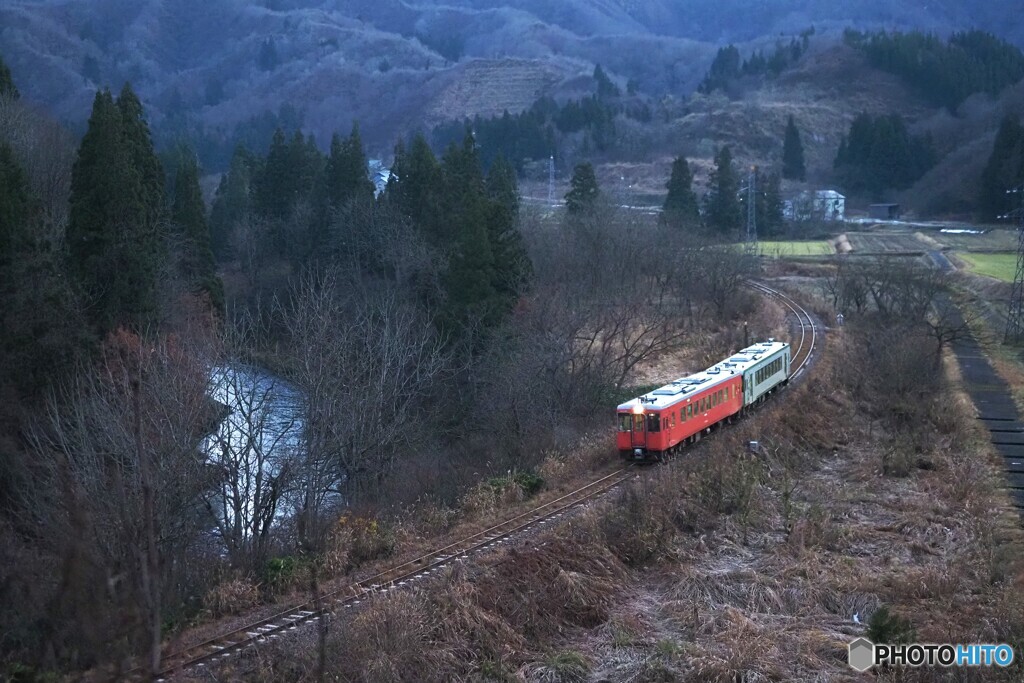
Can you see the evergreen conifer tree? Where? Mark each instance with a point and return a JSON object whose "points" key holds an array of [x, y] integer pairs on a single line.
{"points": [[7, 86], [1004, 169], [793, 153], [681, 208], [769, 205], [188, 212], [584, 191], [417, 189], [512, 267], [231, 203], [143, 158], [112, 244], [724, 214], [345, 176], [469, 282]]}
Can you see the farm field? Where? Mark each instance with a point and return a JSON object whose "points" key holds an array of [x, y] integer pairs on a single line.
{"points": [[993, 240], [795, 248], [999, 266], [887, 243]]}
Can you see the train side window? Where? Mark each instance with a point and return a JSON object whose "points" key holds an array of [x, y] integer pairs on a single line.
{"points": [[673, 418], [653, 422]]}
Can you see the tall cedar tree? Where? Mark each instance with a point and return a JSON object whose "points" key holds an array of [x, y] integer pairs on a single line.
{"points": [[512, 267], [417, 190], [583, 194], [112, 237], [188, 212], [469, 282], [606, 89], [42, 333], [289, 175], [7, 86], [793, 153], [345, 176], [724, 213], [232, 202], [143, 157], [768, 205], [681, 208], [1004, 170]]}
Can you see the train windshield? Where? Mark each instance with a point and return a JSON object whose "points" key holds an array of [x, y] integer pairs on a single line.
{"points": [[625, 420]]}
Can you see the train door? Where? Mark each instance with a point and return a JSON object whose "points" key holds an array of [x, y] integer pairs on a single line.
{"points": [[639, 431]]}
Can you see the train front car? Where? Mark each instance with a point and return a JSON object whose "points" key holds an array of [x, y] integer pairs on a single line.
{"points": [[660, 423]]}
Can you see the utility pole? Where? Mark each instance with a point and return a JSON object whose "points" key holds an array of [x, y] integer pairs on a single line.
{"points": [[1015, 315], [551, 179], [752, 207]]}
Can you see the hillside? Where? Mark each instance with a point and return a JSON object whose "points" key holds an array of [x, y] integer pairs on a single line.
{"points": [[204, 70]]}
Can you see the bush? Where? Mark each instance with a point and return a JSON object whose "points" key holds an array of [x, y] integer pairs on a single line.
{"points": [[636, 528], [365, 539], [231, 597], [888, 628], [281, 574], [528, 482]]}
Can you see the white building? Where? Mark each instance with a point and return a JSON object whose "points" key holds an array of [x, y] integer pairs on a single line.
{"points": [[826, 205]]}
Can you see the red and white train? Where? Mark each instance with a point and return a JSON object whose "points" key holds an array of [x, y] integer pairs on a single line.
{"points": [[662, 421]]}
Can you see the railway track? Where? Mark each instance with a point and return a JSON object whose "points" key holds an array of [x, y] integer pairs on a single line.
{"points": [[804, 349], [231, 642], [228, 643]]}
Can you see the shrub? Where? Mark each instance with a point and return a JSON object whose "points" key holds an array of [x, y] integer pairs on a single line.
{"points": [[636, 528], [886, 627], [231, 597]]}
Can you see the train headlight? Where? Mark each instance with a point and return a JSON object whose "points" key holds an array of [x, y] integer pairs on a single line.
{"points": [[638, 410]]}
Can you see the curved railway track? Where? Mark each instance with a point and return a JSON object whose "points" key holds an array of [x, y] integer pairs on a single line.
{"points": [[804, 349], [272, 627]]}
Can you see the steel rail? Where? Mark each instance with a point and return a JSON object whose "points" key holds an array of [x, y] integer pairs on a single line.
{"points": [[226, 643]]}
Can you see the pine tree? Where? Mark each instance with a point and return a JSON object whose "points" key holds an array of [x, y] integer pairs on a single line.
{"points": [[512, 267], [606, 89], [417, 188], [42, 334], [769, 205], [345, 176], [143, 157], [7, 87], [724, 214], [1004, 169], [14, 204], [469, 282], [681, 208], [232, 202], [112, 244], [793, 153], [188, 212], [584, 192]]}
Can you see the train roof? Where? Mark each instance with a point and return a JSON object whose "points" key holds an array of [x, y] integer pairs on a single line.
{"points": [[684, 387]]}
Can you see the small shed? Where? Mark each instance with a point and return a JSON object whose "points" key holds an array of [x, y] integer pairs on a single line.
{"points": [[884, 212]]}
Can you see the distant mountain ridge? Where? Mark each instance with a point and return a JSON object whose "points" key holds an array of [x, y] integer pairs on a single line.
{"points": [[397, 65]]}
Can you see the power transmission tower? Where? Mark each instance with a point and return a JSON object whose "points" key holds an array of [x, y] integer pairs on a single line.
{"points": [[551, 180], [1015, 316]]}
